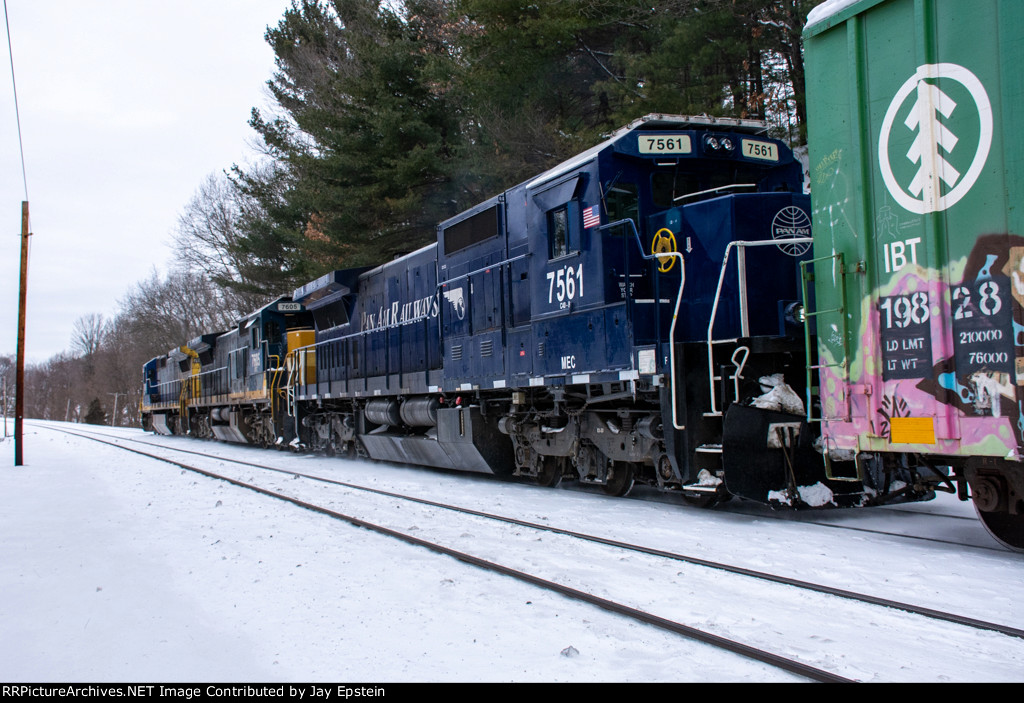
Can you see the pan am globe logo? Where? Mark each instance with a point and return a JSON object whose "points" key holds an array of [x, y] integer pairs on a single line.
{"points": [[935, 138], [792, 222]]}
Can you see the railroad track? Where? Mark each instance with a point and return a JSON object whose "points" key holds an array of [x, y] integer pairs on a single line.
{"points": [[524, 573], [640, 549], [753, 510], [803, 519]]}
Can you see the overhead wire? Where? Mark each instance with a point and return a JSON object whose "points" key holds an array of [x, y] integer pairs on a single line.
{"points": [[17, 113]]}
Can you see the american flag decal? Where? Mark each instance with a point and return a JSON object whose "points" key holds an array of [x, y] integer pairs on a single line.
{"points": [[591, 217]]}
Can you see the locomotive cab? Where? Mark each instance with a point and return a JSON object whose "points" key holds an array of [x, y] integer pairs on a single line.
{"points": [[611, 265]]}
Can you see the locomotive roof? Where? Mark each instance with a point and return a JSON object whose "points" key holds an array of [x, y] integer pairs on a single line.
{"points": [[256, 313], [649, 123]]}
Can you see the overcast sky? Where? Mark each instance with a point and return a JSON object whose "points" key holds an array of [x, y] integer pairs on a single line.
{"points": [[126, 107]]}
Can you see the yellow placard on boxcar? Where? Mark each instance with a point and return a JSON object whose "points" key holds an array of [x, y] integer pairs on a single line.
{"points": [[912, 430]]}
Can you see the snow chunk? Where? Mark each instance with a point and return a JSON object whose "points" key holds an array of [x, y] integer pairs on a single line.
{"points": [[781, 397], [706, 478], [815, 496], [827, 9]]}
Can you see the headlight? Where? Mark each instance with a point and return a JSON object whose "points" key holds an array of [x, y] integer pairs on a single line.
{"points": [[795, 314]]}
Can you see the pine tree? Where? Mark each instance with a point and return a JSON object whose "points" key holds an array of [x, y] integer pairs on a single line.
{"points": [[736, 58], [390, 120], [95, 415], [364, 144]]}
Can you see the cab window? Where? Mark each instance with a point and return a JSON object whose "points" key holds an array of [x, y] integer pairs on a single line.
{"points": [[560, 239]]}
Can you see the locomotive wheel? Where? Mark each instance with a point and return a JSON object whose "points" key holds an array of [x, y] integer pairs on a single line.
{"points": [[620, 482], [1005, 528], [550, 474]]}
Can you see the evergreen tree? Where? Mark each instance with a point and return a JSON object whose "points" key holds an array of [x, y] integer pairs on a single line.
{"points": [[364, 143], [96, 415], [391, 120], [534, 80], [736, 58]]}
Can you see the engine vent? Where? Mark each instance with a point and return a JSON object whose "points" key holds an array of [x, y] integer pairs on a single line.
{"points": [[456, 352], [540, 348], [487, 347]]}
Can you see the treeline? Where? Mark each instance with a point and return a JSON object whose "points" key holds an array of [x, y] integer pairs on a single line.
{"points": [[388, 118], [386, 122], [99, 380]]}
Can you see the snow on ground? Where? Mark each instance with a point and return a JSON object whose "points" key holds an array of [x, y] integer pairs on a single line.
{"points": [[122, 568], [116, 567]]}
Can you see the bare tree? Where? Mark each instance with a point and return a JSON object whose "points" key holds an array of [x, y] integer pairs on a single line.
{"points": [[87, 334], [105, 364], [168, 312], [207, 241], [7, 376]]}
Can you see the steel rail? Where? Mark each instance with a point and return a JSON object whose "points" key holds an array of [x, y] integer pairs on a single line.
{"points": [[650, 551], [744, 650]]}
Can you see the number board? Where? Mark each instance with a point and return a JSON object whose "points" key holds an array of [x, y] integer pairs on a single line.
{"points": [[765, 151], [906, 336], [982, 318], [289, 307], [664, 144]]}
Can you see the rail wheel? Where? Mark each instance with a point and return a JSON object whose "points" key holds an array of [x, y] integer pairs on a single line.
{"points": [[1005, 528], [993, 497], [620, 479], [550, 474]]}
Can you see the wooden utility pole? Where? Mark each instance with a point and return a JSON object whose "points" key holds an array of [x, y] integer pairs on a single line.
{"points": [[19, 388], [113, 417]]}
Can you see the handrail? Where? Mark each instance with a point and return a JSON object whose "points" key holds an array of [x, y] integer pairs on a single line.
{"points": [[719, 189], [643, 254], [805, 278], [744, 323], [675, 312]]}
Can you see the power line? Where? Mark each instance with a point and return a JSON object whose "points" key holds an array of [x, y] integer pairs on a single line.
{"points": [[17, 114]]}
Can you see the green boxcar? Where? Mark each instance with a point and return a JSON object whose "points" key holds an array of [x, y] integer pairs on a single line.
{"points": [[915, 109]]}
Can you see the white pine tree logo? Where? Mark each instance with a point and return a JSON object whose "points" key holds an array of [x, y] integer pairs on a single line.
{"points": [[933, 147], [931, 135]]}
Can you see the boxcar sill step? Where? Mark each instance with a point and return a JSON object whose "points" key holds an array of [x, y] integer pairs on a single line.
{"points": [[697, 488]]}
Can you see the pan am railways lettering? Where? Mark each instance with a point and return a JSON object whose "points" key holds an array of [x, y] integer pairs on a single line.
{"points": [[400, 314]]}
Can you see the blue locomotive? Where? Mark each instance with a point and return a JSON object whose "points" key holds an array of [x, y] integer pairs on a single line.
{"points": [[634, 314]]}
